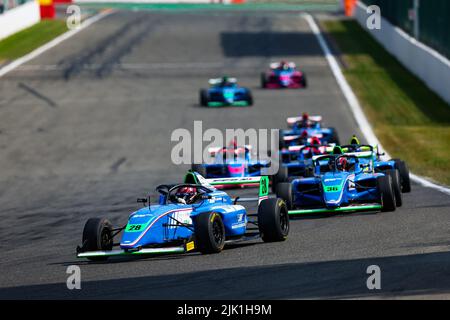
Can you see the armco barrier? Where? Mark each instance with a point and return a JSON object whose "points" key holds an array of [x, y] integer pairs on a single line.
{"points": [[426, 63], [19, 18]]}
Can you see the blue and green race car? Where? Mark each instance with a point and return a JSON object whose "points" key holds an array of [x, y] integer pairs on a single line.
{"points": [[225, 92], [190, 215]]}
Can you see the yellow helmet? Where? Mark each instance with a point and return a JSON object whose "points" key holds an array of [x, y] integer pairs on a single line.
{"points": [[354, 140]]}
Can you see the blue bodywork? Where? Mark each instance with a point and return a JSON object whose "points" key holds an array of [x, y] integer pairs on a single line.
{"points": [[232, 162], [162, 224], [229, 94], [332, 189]]}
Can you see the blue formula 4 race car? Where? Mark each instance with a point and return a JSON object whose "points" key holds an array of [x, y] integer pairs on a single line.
{"points": [[379, 165], [191, 215], [297, 161], [341, 184], [304, 128], [225, 92], [231, 162]]}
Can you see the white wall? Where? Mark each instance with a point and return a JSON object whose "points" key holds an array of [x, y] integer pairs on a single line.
{"points": [[19, 18], [426, 63]]}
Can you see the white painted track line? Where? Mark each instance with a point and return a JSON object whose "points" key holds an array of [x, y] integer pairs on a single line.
{"points": [[53, 43]]}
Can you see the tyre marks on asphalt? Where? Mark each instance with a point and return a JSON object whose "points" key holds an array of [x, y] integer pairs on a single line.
{"points": [[37, 94], [100, 60]]}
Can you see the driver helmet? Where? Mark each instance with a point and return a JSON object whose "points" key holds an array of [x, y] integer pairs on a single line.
{"points": [[225, 80], [337, 150], [185, 193], [284, 65], [342, 164], [354, 140]]}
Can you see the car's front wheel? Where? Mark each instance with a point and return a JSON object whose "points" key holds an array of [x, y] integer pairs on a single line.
{"points": [[386, 193], [273, 220], [209, 232], [97, 236]]}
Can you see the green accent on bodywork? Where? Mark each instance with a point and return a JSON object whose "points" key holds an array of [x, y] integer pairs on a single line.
{"points": [[190, 176], [332, 188], [341, 209], [129, 253], [234, 104], [136, 227], [221, 183], [264, 186]]}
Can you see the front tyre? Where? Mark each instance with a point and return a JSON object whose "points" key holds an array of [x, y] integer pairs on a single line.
{"points": [[209, 232], [273, 220], [97, 236], [200, 169]]}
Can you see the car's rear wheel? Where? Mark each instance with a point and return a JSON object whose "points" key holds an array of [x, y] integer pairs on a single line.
{"points": [[204, 98], [97, 236], [284, 191], [395, 176], [404, 175], [209, 232], [249, 98], [281, 176], [263, 80], [304, 81], [334, 137], [273, 220], [386, 193]]}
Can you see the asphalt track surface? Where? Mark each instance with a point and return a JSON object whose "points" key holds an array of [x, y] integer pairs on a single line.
{"points": [[85, 130]]}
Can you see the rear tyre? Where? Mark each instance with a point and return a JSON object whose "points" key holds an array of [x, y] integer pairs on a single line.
{"points": [[204, 98], [334, 137], [386, 193], [404, 175], [249, 98], [209, 232], [284, 191], [304, 81], [281, 176], [263, 80], [395, 176], [273, 220], [97, 236], [199, 169]]}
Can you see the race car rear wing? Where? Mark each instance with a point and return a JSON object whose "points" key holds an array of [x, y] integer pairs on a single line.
{"points": [[292, 120], [261, 181]]}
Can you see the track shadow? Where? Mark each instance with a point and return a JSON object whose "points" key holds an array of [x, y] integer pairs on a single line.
{"points": [[422, 274], [269, 44]]}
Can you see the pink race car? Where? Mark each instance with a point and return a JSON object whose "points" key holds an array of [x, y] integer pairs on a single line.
{"points": [[283, 75]]}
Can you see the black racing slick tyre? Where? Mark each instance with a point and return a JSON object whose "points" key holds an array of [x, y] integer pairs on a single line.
{"points": [[387, 193], [281, 176], [405, 180], [209, 232], [395, 176], [334, 137], [263, 80], [273, 220], [249, 98], [304, 81], [97, 236], [204, 98], [284, 191], [199, 169]]}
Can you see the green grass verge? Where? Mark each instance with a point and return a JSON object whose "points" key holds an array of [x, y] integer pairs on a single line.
{"points": [[411, 121], [31, 38]]}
